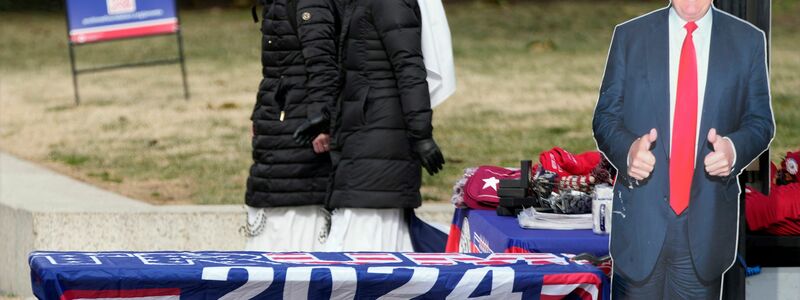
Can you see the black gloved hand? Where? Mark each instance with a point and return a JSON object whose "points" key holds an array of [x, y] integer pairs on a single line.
{"points": [[430, 155], [311, 128]]}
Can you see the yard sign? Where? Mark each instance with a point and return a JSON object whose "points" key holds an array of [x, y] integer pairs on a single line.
{"points": [[93, 21]]}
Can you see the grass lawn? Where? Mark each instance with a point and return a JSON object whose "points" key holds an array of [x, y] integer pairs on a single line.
{"points": [[528, 76]]}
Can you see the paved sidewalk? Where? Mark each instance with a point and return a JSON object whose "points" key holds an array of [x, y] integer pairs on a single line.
{"points": [[24, 185]]}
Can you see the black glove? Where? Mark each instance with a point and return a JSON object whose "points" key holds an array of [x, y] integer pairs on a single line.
{"points": [[430, 155], [311, 128]]}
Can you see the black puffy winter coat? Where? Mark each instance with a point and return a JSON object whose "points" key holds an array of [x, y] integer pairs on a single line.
{"points": [[384, 108], [300, 75]]}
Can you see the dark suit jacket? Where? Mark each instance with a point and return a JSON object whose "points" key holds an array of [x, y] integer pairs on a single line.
{"points": [[634, 97]]}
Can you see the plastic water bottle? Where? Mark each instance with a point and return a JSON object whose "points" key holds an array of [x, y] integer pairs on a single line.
{"points": [[602, 201]]}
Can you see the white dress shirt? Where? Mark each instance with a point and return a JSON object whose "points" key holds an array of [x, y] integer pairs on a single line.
{"points": [[701, 37]]}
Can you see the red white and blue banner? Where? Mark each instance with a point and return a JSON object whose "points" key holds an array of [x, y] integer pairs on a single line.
{"points": [[361, 275], [100, 20]]}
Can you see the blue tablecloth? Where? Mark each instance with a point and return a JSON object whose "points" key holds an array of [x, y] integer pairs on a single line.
{"points": [[359, 275], [492, 233]]}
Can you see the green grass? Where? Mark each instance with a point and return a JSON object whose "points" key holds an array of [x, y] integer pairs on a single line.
{"points": [[528, 76], [72, 159]]}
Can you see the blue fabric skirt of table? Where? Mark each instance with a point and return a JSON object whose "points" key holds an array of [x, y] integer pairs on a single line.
{"points": [[492, 233]]}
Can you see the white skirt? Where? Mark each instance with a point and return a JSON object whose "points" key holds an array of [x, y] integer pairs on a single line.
{"points": [[284, 229], [365, 229]]}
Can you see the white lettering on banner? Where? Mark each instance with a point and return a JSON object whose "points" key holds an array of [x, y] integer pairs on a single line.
{"points": [[164, 259], [492, 259], [502, 284], [422, 280], [261, 259], [373, 258], [344, 280], [155, 258], [78, 259], [355, 259], [298, 279], [73, 260], [258, 280], [189, 258]]}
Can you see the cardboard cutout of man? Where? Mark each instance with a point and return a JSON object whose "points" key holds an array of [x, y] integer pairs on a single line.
{"points": [[684, 107]]}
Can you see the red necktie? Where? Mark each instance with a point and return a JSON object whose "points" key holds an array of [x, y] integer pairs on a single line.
{"points": [[684, 128]]}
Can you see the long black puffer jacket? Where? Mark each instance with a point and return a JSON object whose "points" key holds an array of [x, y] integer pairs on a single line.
{"points": [[384, 108], [301, 75]]}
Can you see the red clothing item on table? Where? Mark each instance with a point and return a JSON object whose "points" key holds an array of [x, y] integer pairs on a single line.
{"points": [[480, 191], [563, 163], [778, 213], [758, 209]]}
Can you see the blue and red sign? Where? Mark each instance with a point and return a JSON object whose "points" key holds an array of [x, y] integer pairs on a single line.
{"points": [[101, 20], [358, 275]]}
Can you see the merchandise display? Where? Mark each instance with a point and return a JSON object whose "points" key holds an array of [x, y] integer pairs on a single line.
{"points": [[560, 184]]}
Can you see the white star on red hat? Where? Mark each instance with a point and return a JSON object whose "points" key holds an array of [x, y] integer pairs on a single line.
{"points": [[490, 182]]}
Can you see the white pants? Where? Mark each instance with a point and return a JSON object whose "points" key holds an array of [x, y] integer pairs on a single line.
{"points": [[290, 228], [365, 229]]}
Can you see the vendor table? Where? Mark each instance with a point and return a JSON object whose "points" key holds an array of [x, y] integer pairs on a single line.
{"points": [[483, 231], [361, 275]]}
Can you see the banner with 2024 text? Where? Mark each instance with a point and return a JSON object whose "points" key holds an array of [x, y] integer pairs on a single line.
{"points": [[360, 275]]}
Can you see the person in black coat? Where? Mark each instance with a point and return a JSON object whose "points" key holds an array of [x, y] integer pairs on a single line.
{"points": [[300, 76], [381, 124]]}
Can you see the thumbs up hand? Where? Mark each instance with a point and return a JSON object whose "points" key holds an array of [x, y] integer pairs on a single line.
{"points": [[720, 161], [640, 159]]}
